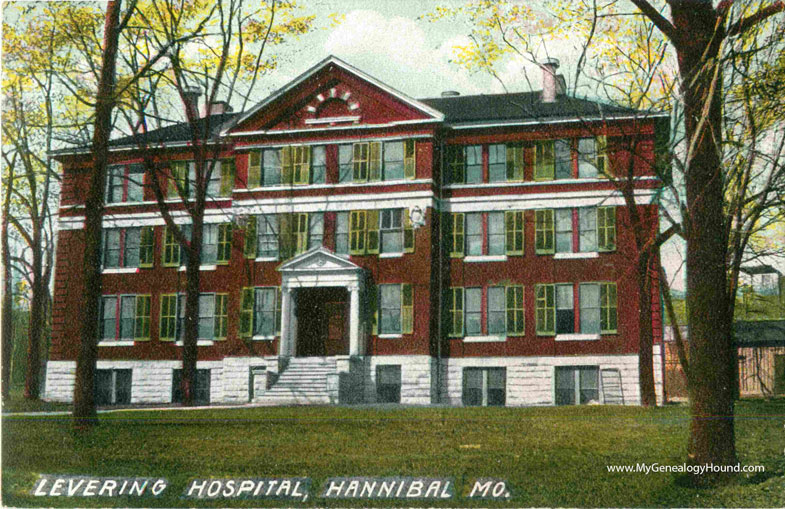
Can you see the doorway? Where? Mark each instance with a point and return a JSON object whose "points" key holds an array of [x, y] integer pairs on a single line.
{"points": [[322, 327]]}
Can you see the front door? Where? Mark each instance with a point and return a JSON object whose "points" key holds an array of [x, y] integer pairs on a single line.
{"points": [[321, 322]]}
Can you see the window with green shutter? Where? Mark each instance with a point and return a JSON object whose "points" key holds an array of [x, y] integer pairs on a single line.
{"points": [[608, 314], [457, 234], [286, 244], [409, 159], [357, 220], [455, 310], [300, 233], [287, 166], [360, 162], [178, 183], [544, 163], [456, 167], [515, 315], [545, 310], [227, 177], [606, 228], [372, 229], [142, 318], [407, 308], [301, 164], [254, 169], [543, 231], [167, 321], [224, 243], [249, 242], [171, 249], [374, 161], [221, 315], [515, 163], [513, 227], [146, 246]]}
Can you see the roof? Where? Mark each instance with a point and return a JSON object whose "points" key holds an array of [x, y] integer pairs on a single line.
{"points": [[521, 106], [760, 333], [759, 269]]}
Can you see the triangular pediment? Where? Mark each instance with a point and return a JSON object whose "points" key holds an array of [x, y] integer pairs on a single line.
{"points": [[318, 259], [332, 94]]}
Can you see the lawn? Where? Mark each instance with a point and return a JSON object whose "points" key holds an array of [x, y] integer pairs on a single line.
{"points": [[549, 456]]}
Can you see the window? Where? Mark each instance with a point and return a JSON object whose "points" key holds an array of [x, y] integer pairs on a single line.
{"points": [[596, 313], [146, 246], [265, 168], [543, 160], [212, 316], [360, 162], [587, 229], [496, 234], [388, 230], [391, 231], [388, 384], [502, 233], [606, 228], [563, 230], [484, 386], [393, 160], [514, 309], [173, 256], [473, 234], [514, 231], [267, 235], [577, 385], [562, 159], [596, 230], [345, 163], [592, 157], [167, 327], [390, 306], [216, 243], [318, 164], [206, 316], [497, 163], [473, 311], [221, 315], [201, 389], [125, 183], [454, 306], [496, 311], [464, 164], [112, 387], [342, 233], [261, 312], [219, 184], [457, 233], [121, 247], [125, 317], [543, 231]]}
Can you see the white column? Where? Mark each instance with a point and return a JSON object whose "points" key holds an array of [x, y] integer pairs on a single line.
{"points": [[286, 306], [354, 320]]}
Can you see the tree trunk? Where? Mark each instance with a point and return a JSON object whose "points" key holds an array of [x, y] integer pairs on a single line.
{"points": [[84, 397], [712, 357], [190, 346], [36, 318], [8, 303], [645, 335]]}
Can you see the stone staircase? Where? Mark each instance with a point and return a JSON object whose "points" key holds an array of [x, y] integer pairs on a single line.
{"points": [[303, 382]]}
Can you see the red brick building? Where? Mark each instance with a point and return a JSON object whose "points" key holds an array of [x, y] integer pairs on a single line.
{"points": [[364, 246]]}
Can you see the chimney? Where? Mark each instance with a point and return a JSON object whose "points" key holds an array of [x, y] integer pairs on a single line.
{"points": [[216, 108], [450, 93], [191, 99], [552, 84]]}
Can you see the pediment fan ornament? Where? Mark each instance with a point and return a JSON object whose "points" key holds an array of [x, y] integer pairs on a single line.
{"points": [[335, 106], [318, 259]]}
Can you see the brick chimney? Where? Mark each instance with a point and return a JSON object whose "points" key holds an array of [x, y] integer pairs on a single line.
{"points": [[216, 108], [191, 99], [552, 84]]}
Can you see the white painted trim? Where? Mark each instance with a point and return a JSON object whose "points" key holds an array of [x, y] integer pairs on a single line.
{"points": [[331, 141], [266, 259], [511, 123], [199, 342], [116, 343], [334, 203], [208, 267], [329, 120], [342, 185], [529, 183], [263, 338], [390, 336], [123, 204], [484, 339], [543, 201], [352, 127], [390, 255], [576, 256], [313, 70], [577, 337], [120, 270], [484, 258]]}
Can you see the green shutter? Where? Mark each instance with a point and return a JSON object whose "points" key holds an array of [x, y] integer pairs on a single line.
{"points": [[409, 159], [455, 309], [375, 161], [543, 232], [601, 147], [246, 312], [221, 316], [606, 228], [224, 242], [608, 309], [179, 175], [373, 305], [514, 163], [457, 234], [544, 167], [545, 310], [167, 318], [360, 162], [407, 308], [357, 232], [278, 311], [254, 169], [249, 249], [513, 228], [515, 315], [142, 318], [171, 250], [146, 246], [287, 171], [227, 177], [300, 232], [408, 232], [301, 161], [286, 245], [372, 227]]}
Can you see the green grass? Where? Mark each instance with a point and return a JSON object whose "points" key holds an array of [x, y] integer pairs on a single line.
{"points": [[549, 456], [17, 403]]}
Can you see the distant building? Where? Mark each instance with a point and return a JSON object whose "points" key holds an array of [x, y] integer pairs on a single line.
{"points": [[763, 279], [364, 246]]}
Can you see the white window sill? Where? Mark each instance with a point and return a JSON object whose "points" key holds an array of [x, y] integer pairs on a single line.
{"points": [[390, 336], [575, 256], [266, 259], [484, 339], [278, 187], [263, 338], [390, 255], [199, 342], [121, 270], [577, 337], [485, 258], [129, 203], [116, 343], [208, 267]]}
